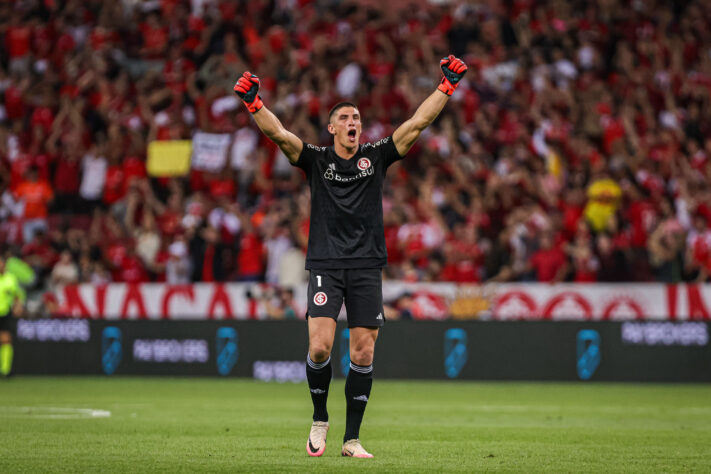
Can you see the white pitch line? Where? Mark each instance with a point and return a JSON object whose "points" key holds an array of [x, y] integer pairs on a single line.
{"points": [[53, 413], [607, 409]]}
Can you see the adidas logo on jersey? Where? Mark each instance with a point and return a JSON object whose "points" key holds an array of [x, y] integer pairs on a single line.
{"points": [[361, 398]]}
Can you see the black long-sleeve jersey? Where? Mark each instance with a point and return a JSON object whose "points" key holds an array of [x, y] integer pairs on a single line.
{"points": [[346, 228]]}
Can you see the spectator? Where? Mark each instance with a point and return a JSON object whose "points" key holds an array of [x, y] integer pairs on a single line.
{"points": [[665, 252], [11, 210], [548, 262], [603, 199], [252, 253], [131, 269], [93, 178], [147, 239], [401, 308], [612, 260], [698, 244], [177, 268], [210, 257], [280, 305], [584, 262], [277, 243], [36, 196], [565, 116], [65, 271]]}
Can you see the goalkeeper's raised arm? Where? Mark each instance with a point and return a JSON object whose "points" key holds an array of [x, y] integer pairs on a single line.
{"points": [[453, 69], [247, 88]]}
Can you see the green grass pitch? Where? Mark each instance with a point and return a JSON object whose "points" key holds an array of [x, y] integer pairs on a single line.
{"points": [[230, 425]]}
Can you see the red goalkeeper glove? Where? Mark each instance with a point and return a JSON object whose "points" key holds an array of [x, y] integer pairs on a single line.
{"points": [[453, 70], [246, 88]]}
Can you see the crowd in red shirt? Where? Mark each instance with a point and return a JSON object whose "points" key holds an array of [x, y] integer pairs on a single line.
{"points": [[575, 149]]}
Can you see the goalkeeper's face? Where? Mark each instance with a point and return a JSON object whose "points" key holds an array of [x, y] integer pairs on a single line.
{"points": [[345, 127]]}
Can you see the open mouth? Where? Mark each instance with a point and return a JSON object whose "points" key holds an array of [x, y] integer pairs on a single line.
{"points": [[352, 135]]}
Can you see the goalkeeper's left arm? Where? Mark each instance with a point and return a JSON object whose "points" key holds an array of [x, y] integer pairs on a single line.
{"points": [[453, 69]]}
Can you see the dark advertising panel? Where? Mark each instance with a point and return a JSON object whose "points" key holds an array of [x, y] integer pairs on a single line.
{"points": [[276, 350]]}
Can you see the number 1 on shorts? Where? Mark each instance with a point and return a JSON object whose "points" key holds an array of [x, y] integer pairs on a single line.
{"points": [[318, 281]]}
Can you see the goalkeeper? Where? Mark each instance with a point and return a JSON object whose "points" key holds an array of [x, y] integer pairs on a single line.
{"points": [[346, 250]]}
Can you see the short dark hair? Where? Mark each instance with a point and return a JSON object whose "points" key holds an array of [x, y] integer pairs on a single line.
{"points": [[338, 106]]}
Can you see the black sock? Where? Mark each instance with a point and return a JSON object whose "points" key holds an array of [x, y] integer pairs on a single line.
{"points": [[319, 376], [358, 384]]}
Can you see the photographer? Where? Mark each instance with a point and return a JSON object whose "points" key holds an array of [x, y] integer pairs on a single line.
{"points": [[284, 307]]}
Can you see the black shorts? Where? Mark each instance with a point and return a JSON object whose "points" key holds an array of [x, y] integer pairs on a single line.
{"points": [[361, 288], [7, 323]]}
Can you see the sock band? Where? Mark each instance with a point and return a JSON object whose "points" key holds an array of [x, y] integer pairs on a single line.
{"points": [[318, 375], [317, 365], [358, 384], [362, 369]]}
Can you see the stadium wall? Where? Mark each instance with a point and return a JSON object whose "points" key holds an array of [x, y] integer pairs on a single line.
{"points": [[650, 351], [505, 301]]}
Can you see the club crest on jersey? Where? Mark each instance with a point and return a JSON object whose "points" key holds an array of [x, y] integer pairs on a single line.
{"points": [[363, 164], [320, 298]]}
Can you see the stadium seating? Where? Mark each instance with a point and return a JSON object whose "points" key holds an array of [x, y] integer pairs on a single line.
{"points": [[577, 148]]}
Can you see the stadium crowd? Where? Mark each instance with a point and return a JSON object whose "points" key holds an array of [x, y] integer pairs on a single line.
{"points": [[577, 148]]}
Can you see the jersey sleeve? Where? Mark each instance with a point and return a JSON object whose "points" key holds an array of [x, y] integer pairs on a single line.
{"points": [[389, 151], [307, 157]]}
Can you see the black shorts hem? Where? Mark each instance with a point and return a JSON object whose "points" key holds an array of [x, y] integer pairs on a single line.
{"points": [[335, 318], [369, 326]]}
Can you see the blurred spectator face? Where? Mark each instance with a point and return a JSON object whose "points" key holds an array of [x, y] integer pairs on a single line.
{"points": [[700, 223], [211, 235], [470, 234], [148, 223], [65, 258], [32, 175], [604, 244], [583, 230], [174, 202], [178, 249], [575, 196], [286, 295]]}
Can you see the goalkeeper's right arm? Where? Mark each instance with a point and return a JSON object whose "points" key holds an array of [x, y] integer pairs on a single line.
{"points": [[247, 88]]}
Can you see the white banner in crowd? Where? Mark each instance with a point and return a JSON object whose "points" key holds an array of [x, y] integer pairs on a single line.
{"points": [[210, 151], [508, 301]]}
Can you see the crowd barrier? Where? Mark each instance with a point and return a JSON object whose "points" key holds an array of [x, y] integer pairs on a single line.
{"points": [[659, 351], [505, 301]]}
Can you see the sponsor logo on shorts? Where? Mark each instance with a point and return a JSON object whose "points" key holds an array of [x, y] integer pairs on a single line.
{"points": [[380, 316], [320, 298], [363, 164]]}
